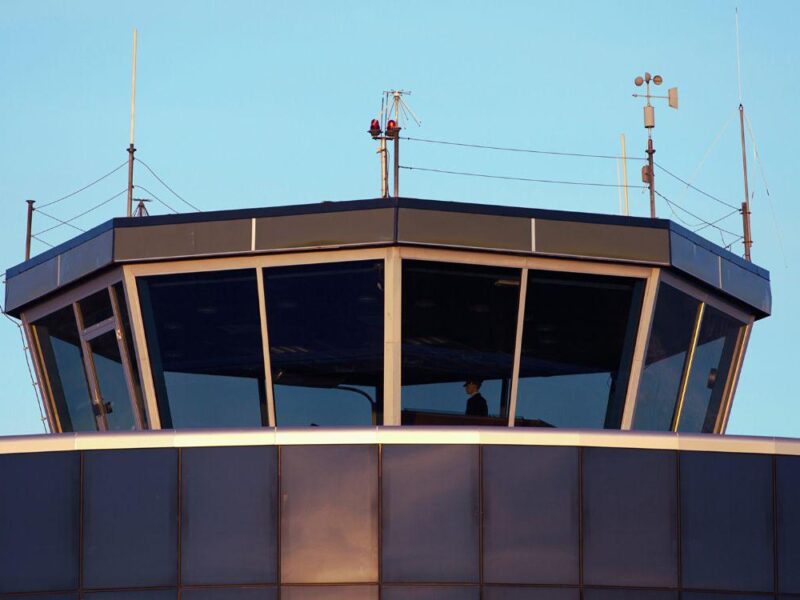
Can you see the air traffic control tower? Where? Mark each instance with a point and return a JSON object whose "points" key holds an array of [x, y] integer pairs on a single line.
{"points": [[394, 399]]}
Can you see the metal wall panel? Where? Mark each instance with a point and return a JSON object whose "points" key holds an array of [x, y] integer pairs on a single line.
{"points": [[746, 286], [640, 244], [31, 284], [87, 258], [464, 230], [325, 229], [695, 260], [186, 239]]}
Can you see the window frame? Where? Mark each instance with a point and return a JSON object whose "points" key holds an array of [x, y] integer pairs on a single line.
{"points": [[705, 298], [72, 298]]}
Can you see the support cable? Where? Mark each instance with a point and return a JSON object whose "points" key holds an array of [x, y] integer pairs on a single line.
{"points": [[86, 187], [174, 193], [156, 198], [78, 216]]}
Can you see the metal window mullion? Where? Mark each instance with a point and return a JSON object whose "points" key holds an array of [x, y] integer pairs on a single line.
{"points": [[262, 310], [687, 370], [119, 332], [99, 329], [640, 348], [392, 337], [140, 346], [523, 295], [734, 372], [39, 368], [88, 364]]}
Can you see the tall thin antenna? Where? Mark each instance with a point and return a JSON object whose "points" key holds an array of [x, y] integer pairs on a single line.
{"points": [[624, 175], [131, 147], [745, 210]]}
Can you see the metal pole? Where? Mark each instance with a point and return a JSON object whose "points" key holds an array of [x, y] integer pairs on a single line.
{"points": [[131, 148], [748, 239], [397, 145], [626, 211], [651, 176], [28, 234], [384, 169]]}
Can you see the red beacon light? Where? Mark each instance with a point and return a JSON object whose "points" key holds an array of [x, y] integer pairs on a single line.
{"points": [[375, 128], [392, 129]]}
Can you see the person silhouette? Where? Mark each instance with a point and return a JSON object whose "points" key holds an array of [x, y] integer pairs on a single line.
{"points": [[476, 404]]}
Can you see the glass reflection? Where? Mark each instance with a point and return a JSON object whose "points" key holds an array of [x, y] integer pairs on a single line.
{"points": [[111, 382], [204, 340], [326, 342], [577, 348], [670, 338], [125, 324], [711, 363], [459, 326], [96, 308], [330, 592], [58, 338]]}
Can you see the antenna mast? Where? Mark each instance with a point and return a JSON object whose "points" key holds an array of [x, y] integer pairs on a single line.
{"points": [[648, 173], [131, 148], [387, 127], [745, 210]]}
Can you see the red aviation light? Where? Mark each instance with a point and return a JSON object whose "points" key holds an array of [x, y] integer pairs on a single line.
{"points": [[375, 128], [392, 129]]}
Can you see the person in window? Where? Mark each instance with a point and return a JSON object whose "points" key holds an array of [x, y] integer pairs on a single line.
{"points": [[476, 404]]}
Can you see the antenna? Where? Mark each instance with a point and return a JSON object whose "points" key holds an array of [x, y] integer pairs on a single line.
{"points": [[141, 209], [131, 148], [648, 174], [745, 210], [387, 127]]}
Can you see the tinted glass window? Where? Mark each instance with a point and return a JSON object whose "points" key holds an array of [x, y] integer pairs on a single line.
{"points": [[130, 518], [267, 593], [133, 595], [111, 382], [711, 362], [229, 513], [788, 490], [422, 592], [727, 521], [589, 594], [630, 497], [577, 347], [530, 531], [329, 514], [96, 308], [529, 593], [326, 342], [125, 322], [670, 338], [60, 345], [719, 596], [204, 340], [39, 517], [459, 326], [322, 592], [430, 513], [43, 597]]}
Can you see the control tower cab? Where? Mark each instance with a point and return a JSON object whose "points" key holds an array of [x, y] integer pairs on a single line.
{"points": [[388, 312]]}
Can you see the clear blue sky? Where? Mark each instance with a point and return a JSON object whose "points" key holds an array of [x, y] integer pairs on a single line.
{"points": [[244, 104]]}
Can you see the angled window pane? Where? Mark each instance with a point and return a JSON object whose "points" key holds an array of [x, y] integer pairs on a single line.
{"points": [[711, 363], [43, 597], [330, 592], [727, 521], [630, 502], [125, 323], [96, 308], [459, 325], [529, 593], [326, 342], [227, 593], [530, 531], [788, 490], [61, 350], [39, 521], [670, 338], [430, 592], [130, 518], [430, 513], [329, 514], [577, 347], [720, 596], [204, 340], [229, 515], [111, 382]]}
